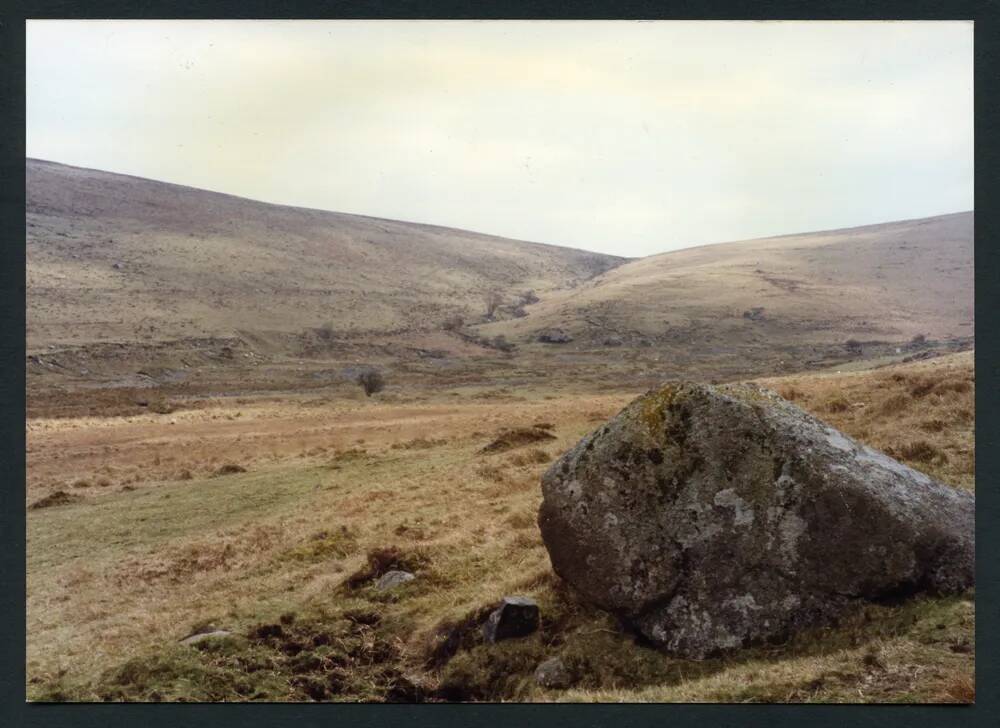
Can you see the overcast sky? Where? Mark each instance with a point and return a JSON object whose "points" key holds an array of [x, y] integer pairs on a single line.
{"points": [[624, 137]]}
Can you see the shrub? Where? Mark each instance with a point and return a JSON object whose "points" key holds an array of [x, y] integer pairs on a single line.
{"points": [[790, 393], [160, 406], [919, 451], [453, 323], [493, 301], [837, 403], [893, 404], [371, 381], [325, 331], [500, 343], [534, 456], [853, 346]]}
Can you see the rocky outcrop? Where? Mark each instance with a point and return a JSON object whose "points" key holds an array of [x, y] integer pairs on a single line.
{"points": [[713, 517]]}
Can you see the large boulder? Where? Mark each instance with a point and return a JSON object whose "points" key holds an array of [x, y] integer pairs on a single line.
{"points": [[713, 517]]}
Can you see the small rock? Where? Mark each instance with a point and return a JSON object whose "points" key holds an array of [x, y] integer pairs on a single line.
{"points": [[515, 617], [203, 636], [554, 336], [553, 674], [392, 579]]}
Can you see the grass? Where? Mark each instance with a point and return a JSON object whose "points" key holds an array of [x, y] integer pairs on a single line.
{"points": [[116, 579], [921, 413]]}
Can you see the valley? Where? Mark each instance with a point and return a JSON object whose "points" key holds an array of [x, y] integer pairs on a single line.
{"points": [[201, 454]]}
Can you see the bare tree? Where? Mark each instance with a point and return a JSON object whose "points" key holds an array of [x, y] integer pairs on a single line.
{"points": [[325, 331], [371, 381]]}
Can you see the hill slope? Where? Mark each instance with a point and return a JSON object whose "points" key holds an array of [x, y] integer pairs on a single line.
{"points": [[879, 282], [117, 258]]}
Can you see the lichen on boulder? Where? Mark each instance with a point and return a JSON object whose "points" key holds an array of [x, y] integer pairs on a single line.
{"points": [[712, 517]]}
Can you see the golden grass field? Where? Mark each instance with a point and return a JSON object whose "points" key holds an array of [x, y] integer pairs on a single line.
{"points": [[198, 453], [151, 535]]}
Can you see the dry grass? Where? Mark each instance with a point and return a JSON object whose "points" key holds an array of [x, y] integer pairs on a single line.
{"points": [[508, 439], [921, 413], [136, 571]]}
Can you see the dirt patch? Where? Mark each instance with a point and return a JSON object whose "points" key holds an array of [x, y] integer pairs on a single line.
{"points": [[326, 659], [509, 439], [419, 443], [450, 636], [230, 469], [58, 498]]}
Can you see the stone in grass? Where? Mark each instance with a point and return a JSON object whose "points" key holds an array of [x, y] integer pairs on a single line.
{"points": [[710, 518], [392, 579], [553, 673], [515, 617], [204, 635]]}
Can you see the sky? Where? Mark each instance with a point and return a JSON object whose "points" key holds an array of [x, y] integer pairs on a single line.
{"points": [[630, 138]]}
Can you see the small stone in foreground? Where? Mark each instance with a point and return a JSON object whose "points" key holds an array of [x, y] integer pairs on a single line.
{"points": [[553, 673], [515, 617], [392, 579]]}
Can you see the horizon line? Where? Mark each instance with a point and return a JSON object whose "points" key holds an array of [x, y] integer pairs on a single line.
{"points": [[493, 235]]}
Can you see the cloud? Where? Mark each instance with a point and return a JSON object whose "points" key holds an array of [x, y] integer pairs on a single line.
{"points": [[626, 137]]}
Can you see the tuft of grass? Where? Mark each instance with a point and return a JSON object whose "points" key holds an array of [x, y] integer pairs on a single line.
{"points": [[382, 560], [959, 687], [492, 473], [323, 545], [790, 393], [535, 456], [893, 404], [508, 439], [229, 469], [920, 451], [57, 498], [419, 443], [836, 403]]}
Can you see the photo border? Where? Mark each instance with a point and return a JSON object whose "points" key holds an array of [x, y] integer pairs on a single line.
{"points": [[14, 711]]}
